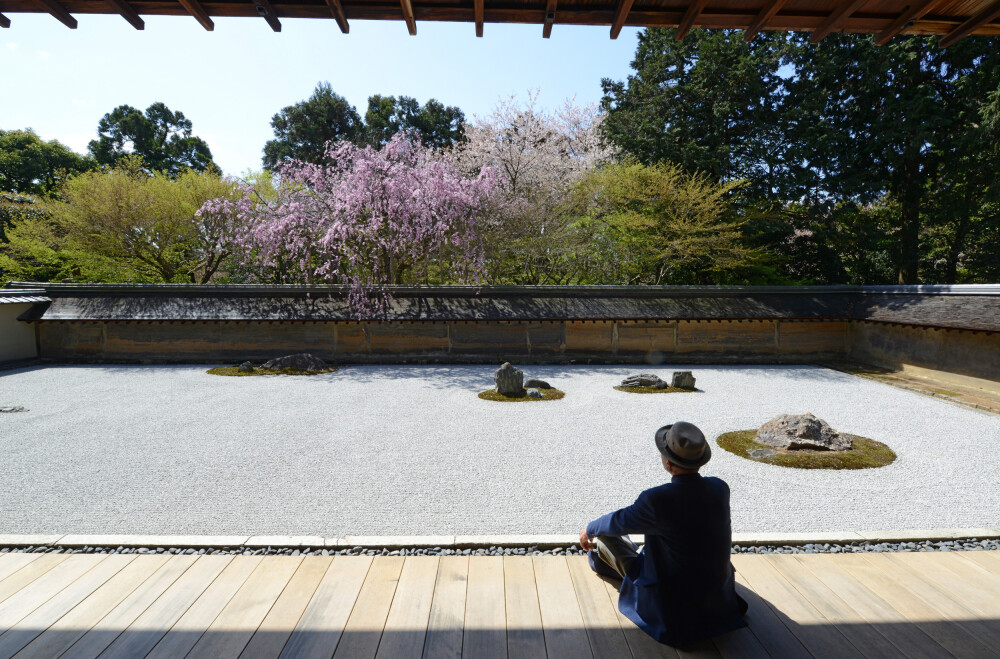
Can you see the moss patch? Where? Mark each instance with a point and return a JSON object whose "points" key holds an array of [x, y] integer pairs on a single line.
{"points": [[866, 453], [653, 390], [234, 371], [547, 394]]}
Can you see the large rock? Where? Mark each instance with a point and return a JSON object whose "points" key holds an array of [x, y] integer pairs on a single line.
{"points": [[509, 379], [537, 384], [802, 431], [12, 409], [644, 380], [682, 380], [245, 367], [300, 362]]}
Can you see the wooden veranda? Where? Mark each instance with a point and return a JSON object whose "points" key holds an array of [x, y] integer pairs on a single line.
{"points": [[940, 604]]}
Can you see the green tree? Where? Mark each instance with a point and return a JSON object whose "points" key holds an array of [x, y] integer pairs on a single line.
{"points": [[301, 131], [438, 126], [161, 137], [31, 165]]}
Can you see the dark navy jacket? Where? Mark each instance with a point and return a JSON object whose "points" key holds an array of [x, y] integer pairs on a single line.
{"points": [[681, 588]]}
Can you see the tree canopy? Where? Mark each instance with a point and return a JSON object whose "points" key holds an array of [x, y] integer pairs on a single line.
{"points": [[31, 165], [161, 137]]}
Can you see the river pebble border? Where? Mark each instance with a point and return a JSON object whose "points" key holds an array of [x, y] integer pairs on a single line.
{"points": [[967, 544]]}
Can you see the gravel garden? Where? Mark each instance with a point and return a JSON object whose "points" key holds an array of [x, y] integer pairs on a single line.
{"points": [[412, 450]]}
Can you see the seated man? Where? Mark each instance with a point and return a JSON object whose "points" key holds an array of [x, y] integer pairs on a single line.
{"points": [[680, 588]]}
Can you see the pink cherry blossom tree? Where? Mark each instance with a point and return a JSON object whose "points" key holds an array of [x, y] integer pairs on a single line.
{"points": [[366, 218]]}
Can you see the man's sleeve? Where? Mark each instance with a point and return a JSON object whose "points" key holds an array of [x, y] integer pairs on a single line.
{"points": [[637, 518]]}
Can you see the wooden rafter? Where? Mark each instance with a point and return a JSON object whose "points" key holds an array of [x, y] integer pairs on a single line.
{"points": [[689, 17], [411, 23], [766, 14], [266, 11], [621, 15], [550, 18], [4, 21], [479, 10], [966, 28], [194, 8], [338, 14], [912, 13], [836, 19], [59, 12], [128, 13]]}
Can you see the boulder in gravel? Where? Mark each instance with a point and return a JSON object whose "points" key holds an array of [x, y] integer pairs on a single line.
{"points": [[509, 380], [644, 380], [802, 431], [535, 393], [536, 384], [682, 380], [300, 362], [11, 409], [245, 367]]}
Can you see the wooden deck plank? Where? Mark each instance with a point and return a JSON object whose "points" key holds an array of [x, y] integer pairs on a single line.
{"points": [[406, 624], [146, 631], [273, 632], [607, 640], [236, 623], [562, 621], [524, 620], [447, 618], [32, 625], [13, 561], [916, 601], [45, 587], [811, 627], [28, 574], [108, 628], [852, 624], [766, 626], [68, 629], [909, 639], [322, 623], [641, 644], [988, 561], [485, 633], [367, 621], [980, 591]]}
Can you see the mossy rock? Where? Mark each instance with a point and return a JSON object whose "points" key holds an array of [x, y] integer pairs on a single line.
{"points": [[234, 371], [547, 394], [653, 390], [865, 453]]}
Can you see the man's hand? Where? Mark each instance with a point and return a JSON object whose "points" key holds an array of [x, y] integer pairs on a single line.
{"points": [[585, 541]]}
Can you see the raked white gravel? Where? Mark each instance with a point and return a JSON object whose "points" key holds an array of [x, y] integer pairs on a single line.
{"points": [[410, 450]]}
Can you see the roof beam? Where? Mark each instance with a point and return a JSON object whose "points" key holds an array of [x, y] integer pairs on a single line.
{"points": [[835, 20], [338, 13], [4, 21], [59, 12], [621, 15], [969, 26], [195, 9], [550, 18], [689, 17], [128, 13], [904, 20], [478, 10], [766, 14], [411, 23], [266, 11]]}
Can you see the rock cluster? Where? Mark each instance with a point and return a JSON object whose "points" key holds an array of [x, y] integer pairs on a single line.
{"points": [[300, 362], [796, 432], [644, 380]]}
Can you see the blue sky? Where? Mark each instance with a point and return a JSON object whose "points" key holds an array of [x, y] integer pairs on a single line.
{"points": [[230, 82]]}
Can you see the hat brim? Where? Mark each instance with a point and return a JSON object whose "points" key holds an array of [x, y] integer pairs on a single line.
{"points": [[661, 445]]}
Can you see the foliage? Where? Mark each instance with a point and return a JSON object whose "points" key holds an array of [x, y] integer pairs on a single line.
{"points": [[146, 222], [15, 208], [865, 453], [366, 218], [161, 137], [661, 226], [547, 394], [436, 125], [301, 131], [31, 165]]}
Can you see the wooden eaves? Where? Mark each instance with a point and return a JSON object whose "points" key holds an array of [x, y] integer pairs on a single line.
{"points": [[949, 19]]}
